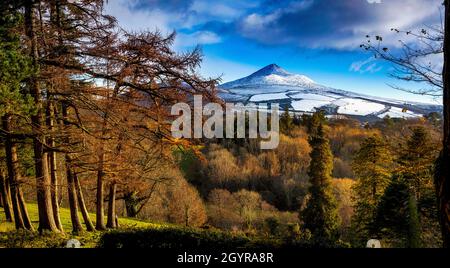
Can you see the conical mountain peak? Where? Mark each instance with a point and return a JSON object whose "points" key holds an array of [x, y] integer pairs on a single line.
{"points": [[271, 74], [271, 69]]}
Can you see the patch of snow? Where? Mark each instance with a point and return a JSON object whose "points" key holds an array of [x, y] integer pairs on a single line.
{"points": [[357, 106], [308, 105], [396, 112]]}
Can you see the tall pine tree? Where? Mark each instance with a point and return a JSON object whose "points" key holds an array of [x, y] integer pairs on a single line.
{"points": [[320, 215]]}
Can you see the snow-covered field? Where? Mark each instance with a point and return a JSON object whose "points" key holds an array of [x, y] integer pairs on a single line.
{"points": [[308, 105], [395, 112], [357, 106]]}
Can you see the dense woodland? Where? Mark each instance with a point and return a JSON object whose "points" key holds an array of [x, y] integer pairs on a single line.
{"points": [[85, 126]]}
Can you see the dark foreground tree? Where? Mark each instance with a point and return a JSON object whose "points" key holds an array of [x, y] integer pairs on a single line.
{"points": [[397, 218], [442, 178]]}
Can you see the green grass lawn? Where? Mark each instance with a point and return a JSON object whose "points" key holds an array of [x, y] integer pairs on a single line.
{"points": [[88, 239]]}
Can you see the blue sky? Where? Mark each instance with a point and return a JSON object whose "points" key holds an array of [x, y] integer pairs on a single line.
{"points": [[317, 38]]}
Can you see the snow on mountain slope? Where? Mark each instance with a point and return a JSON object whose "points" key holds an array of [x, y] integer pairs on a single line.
{"points": [[353, 106], [395, 112], [307, 105], [274, 84], [268, 97]]}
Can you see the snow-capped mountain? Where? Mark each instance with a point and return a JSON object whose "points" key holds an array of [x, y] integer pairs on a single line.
{"points": [[301, 94], [272, 75]]}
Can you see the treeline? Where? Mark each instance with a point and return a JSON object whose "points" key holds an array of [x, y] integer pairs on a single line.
{"points": [[84, 105]]}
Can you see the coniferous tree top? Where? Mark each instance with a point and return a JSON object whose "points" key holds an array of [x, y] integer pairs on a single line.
{"points": [[15, 66]]}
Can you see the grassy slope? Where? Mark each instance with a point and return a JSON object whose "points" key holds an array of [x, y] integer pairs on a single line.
{"points": [[88, 239]]}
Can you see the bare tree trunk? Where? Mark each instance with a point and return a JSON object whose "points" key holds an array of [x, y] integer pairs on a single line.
{"points": [[111, 223], [87, 220], [12, 164], [53, 166], [5, 197], [442, 179], [100, 224], [75, 197], [74, 203], [43, 183], [24, 211], [72, 196]]}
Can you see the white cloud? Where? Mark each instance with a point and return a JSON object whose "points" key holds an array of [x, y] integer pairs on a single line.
{"points": [[197, 38], [365, 66], [133, 19], [143, 19], [215, 9], [256, 21]]}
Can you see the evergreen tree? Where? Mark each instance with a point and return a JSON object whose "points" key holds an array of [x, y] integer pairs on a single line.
{"points": [[297, 120], [286, 121], [416, 161], [415, 167], [371, 166], [313, 122], [320, 215], [396, 217], [14, 66]]}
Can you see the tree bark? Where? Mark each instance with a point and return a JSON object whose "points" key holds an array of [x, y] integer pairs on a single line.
{"points": [[53, 166], [6, 197], [100, 224], [24, 211], [43, 183], [87, 220], [100, 212], [72, 196], [12, 164], [442, 179], [111, 223], [71, 177]]}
